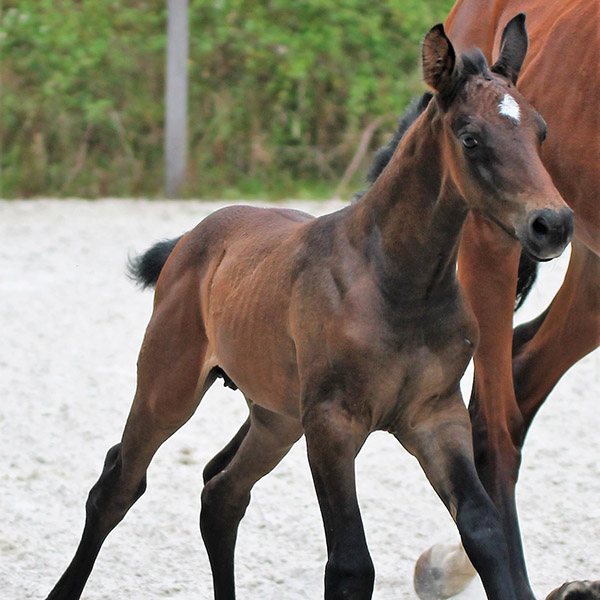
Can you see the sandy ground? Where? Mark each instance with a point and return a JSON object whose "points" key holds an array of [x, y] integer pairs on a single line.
{"points": [[71, 325]]}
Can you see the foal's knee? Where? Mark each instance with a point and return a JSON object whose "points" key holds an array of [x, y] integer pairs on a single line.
{"points": [[349, 577], [481, 531]]}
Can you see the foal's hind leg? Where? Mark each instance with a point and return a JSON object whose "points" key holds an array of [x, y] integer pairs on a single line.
{"points": [[216, 464], [171, 381], [442, 444], [226, 494]]}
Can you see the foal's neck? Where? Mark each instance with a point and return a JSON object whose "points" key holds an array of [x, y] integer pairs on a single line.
{"points": [[411, 219]]}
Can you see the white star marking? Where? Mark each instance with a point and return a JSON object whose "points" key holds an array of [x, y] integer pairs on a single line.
{"points": [[509, 108]]}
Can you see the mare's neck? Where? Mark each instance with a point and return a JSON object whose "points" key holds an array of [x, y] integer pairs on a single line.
{"points": [[411, 219]]}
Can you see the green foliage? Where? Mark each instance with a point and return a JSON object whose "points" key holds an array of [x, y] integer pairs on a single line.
{"points": [[280, 92]]}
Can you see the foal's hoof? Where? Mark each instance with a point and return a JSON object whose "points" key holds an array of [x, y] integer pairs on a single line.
{"points": [[576, 590], [442, 571]]}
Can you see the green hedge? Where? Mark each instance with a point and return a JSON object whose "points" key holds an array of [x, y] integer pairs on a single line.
{"points": [[280, 92]]}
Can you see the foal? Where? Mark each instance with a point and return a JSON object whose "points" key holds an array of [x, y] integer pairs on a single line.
{"points": [[338, 326]]}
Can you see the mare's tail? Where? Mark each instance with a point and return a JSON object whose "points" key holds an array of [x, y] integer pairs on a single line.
{"points": [[145, 268]]}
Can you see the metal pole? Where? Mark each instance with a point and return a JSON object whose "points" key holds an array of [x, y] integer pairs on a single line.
{"points": [[176, 96]]}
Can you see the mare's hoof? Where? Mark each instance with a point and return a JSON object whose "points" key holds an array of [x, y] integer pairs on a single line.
{"points": [[576, 590], [442, 571]]}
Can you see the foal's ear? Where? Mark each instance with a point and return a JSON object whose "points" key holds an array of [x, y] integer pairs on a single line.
{"points": [[513, 49], [438, 60]]}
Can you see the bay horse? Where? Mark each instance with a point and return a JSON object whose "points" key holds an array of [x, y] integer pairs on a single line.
{"points": [[515, 371], [337, 326]]}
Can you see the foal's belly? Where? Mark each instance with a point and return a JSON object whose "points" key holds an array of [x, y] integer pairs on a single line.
{"points": [[248, 330], [261, 362], [274, 352], [261, 358]]}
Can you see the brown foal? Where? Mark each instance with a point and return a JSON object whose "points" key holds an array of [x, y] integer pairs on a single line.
{"points": [[342, 325]]}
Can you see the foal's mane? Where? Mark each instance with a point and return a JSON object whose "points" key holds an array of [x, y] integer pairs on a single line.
{"points": [[385, 153], [472, 63]]}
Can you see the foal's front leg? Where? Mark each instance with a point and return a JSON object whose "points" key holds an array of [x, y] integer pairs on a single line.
{"points": [[333, 438], [442, 443]]}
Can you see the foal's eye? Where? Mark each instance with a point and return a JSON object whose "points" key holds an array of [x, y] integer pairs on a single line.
{"points": [[469, 141]]}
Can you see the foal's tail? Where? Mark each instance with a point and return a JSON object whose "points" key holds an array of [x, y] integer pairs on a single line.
{"points": [[145, 268]]}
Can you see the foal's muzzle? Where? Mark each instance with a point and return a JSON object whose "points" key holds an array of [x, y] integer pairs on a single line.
{"points": [[548, 232]]}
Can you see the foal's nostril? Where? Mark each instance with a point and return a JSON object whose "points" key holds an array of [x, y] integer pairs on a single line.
{"points": [[540, 227], [549, 231]]}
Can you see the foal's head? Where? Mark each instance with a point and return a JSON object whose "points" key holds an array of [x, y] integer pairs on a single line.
{"points": [[492, 140]]}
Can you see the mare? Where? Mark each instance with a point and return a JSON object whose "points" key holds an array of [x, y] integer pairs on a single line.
{"points": [[339, 326], [515, 371]]}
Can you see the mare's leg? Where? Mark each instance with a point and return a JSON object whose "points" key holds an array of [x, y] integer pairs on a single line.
{"points": [[488, 266], [226, 495], [569, 331], [171, 381], [576, 590], [333, 439], [443, 571], [442, 444]]}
